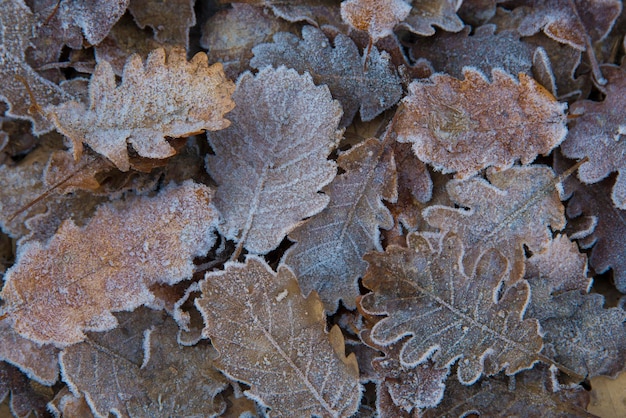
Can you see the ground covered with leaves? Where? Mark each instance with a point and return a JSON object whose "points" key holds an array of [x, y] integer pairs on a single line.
{"points": [[311, 208]]}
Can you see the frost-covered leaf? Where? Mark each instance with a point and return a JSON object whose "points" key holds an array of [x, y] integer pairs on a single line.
{"points": [[456, 126], [328, 256], [339, 65], [27, 398], [38, 362], [139, 370], [516, 207], [16, 29], [166, 97], [272, 161], [531, 394], [170, 20], [70, 284], [449, 315], [567, 21], [598, 132], [376, 17], [426, 14], [67, 405], [483, 50], [271, 338]]}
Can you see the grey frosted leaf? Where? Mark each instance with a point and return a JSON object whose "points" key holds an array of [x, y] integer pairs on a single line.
{"points": [[426, 14], [339, 65], [449, 315], [273, 339], [139, 370], [376, 17], [518, 207], [272, 161], [328, 256]]}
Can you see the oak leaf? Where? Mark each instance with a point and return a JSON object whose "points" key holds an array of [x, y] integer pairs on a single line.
{"points": [[25, 400], [140, 370], [16, 29], [456, 126], [70, 284], [168, 97], [339, 65], [328, 255], [271, 162], [426, 14], [598, 132], [170, 20], [449, 315], [516, 207], [271, 338], [376, 17]]}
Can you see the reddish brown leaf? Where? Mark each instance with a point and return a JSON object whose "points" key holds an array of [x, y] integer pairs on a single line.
{"points": [[518, 207], [83, 274], [597, 133], [328, 256], [449, 315], [27, 397], [456, 126], [166, 97], [271, 163], [271, 338]]}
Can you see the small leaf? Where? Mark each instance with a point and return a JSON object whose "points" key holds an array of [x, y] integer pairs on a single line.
{"points": [[376, 17], [57, 290], [456, 126], [271, 163], [170, 20], [426, 14], [165, 98], [271, 338]]}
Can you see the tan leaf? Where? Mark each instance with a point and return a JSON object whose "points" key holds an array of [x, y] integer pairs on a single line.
{"points": [[83, 274], [170, 20], [328, 255], [166, 97], [457, 126], [377, 17], [449, 315], [272, 161], [140, 370], [16, 29], [271, 338], [518, 207]]}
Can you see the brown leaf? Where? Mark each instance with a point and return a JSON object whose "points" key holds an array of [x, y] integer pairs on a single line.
{"points": [[166, 97], [448, 314], [170, 20], [140, 370], [597, 133], [376, 17], [318, 13], [426, 14], [531, 394], [271, 338], [65, 174], [27, 397], [608, 396], [83, 274], [518, 207], [67, 405], [339, 65], [270, 164], [16, 28], [328, 256], [457, 126]]}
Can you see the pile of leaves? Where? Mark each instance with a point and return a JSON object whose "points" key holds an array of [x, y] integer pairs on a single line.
{"points": [[311, 208]]}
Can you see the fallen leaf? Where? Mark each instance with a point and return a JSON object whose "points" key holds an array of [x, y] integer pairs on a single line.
{"points": [[270, 164], [170, 20], [27, 398], [166, 97], [426, 14], [376, 17], [271, 338], [83, 274]]}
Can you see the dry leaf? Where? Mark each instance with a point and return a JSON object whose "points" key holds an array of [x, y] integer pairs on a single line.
{"points": [[338, 64], [83, 274], [170, 20], [597, 133], [449, 315], [16, 29], [66, 405], [271, 338], [27, 398], [151, 374], [426, 14], [376, 17], [518, 207], [166, 97], [270, 164], [457, 126], [608, 396]]}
